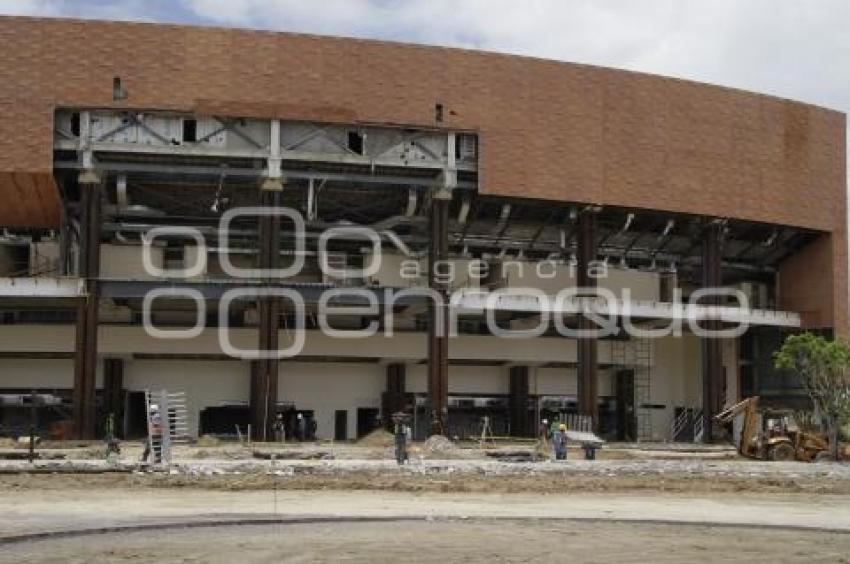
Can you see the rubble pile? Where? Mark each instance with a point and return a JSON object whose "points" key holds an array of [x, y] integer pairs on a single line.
{"points": [[377, 438]]}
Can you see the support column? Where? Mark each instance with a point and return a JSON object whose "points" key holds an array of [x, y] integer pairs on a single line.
{"points": [[587, 346], [711, 347], [113, 393], [85, 353], [394, 398], [265, 370], [438, 316], [518, 403]]}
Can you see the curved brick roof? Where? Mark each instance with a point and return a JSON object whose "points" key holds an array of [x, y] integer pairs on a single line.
{"points": [[548, 129]]}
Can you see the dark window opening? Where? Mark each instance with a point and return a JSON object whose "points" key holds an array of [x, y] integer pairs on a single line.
{"points": [[190, 130], [75, 124], [355, 142], [340, 425], [174, 256], [466, 147], [117, 90], [438, 112]]}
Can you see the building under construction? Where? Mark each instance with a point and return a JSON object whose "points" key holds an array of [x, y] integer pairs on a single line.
{"points": [[279, 223]]}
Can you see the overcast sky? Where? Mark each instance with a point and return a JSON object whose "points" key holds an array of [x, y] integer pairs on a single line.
{"points": [[798, 49]]}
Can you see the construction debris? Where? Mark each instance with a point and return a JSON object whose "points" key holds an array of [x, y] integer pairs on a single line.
{"points": [[377, 438]]}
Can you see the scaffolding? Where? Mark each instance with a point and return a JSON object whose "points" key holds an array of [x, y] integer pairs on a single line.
{"points": [[167, 418], [636, 355]]}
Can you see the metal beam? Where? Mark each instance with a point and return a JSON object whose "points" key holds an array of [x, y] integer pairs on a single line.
{"points": [[438, 319], [158, 133], [253, 172], [711, 348], [85, 354], [264, 401], [587, 346], [394, 397]]}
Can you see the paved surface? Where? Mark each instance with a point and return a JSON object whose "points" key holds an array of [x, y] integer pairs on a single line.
{"points": [[36, 511], [440, 541]]}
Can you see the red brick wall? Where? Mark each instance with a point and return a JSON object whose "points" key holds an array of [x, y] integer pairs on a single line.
{"points": [[547, 129]]}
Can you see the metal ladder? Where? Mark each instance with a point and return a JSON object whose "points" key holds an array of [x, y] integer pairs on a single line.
{"points": [[167, 419]]}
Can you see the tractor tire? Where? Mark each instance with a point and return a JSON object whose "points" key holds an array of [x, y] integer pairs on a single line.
{"points": [[823, 456], [782, 452]]}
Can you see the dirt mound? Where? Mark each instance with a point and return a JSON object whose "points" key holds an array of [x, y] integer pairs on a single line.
{"points": [[438, 444], [208, 441], [377, 438]]}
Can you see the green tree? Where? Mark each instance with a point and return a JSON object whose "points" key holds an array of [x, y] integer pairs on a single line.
{"points": [[823, 367]]}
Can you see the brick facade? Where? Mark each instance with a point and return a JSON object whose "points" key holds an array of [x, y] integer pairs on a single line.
{"points": [[547, 129]]}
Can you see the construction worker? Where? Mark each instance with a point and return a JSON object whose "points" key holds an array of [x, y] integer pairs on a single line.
{"points": [[559, 442], [301, 427], [278, 428], [155, 436], [553, 426], [401, 433], [112, 445]]}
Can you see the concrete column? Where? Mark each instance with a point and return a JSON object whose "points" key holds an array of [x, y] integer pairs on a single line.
{"points": [[518, 403], [587, 347], [711, 348], [85, 351], [438, 317], [265, 370]]}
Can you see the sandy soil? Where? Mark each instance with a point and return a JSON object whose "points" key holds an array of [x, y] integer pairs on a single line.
{"points": [[764, 478], [442, 541]]}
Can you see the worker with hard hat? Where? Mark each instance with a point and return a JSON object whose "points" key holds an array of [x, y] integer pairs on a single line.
{"points": [[559, 442]]}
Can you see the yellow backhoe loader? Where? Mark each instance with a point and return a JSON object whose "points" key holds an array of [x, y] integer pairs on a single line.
{"points": [[773, 435]]}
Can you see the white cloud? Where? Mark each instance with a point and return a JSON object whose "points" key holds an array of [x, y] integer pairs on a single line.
{"points": [[28, 8]]}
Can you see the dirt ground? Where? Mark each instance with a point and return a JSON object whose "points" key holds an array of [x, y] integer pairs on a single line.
{"points": [[471, 541], [659, 503], [460, 483]]}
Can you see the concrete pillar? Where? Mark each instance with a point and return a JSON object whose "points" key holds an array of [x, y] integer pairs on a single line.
{"points": [[265, 370], [587, 346], [520, 419], [711, 348], [438, 317], [85, 350]]}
